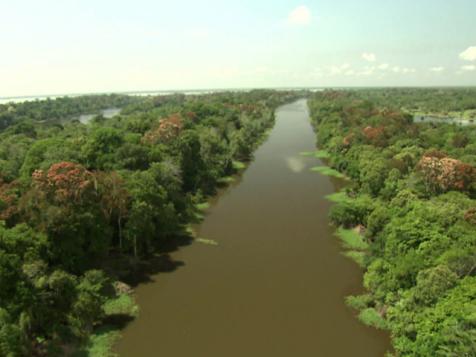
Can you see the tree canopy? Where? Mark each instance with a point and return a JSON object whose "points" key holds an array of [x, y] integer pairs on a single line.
{"points": [[74, 195], [413, 189]]}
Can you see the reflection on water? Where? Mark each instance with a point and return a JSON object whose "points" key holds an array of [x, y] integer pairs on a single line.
{"points": [[275, 283], [295, 164]]}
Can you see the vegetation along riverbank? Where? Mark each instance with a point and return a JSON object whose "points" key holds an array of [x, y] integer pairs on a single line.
{"points": [[409, 215], [90, 210], [85, 206]]}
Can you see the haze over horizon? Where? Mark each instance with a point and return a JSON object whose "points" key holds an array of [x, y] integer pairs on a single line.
{"points": [[55, 47]]}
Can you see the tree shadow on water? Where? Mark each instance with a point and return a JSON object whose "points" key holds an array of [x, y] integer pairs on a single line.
{"points": [[135, 271], [131, 271], [116, 321], [143, 272]]}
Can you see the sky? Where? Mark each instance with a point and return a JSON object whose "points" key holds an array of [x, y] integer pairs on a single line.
{"points": [[88, 46]]}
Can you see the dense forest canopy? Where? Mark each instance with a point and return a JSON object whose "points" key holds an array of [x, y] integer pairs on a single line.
{"points": [[459, 102], [75, 197], [412, 200], [82, 203], [59, 109]]}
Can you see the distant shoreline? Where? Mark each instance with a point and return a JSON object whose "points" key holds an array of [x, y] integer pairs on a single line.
{"points": [[24, 98], [18, 99]]}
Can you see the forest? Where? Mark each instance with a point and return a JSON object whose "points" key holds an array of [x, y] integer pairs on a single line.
{"points": [[80, 204], [85, 207], [408, 213], [56, 110]]}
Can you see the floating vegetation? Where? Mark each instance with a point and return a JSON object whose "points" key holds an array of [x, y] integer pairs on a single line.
{"points": [[359, 302], [198, 216], [124, 304], [238, 165], [199, 209], [206, 241], [202, 206], [326, 170], [226, 179], [356, 256], [352, 239], [338, 197], [371, 317], [320, 154], [190, 231]]}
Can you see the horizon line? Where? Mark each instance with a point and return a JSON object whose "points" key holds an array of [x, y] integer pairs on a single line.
{"points": [[228, 89]]}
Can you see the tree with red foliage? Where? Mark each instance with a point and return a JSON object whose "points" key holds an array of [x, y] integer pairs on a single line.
{"points": [[374, 136], [168, 129], [64, 202], [442, 173], [65, 182]]}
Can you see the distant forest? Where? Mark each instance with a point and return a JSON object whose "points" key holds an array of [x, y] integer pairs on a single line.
{"points": [[82, 206]]}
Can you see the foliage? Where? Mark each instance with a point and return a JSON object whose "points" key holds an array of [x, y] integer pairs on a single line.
{"points": [[352, 239], [412, 198], [327, 171], [74, 195]]}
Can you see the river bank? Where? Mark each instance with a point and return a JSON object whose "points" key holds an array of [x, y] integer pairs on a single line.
{"points": [[407, 224]]}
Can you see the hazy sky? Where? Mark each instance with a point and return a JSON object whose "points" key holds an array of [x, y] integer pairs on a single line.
{"points": [[67, 46]]}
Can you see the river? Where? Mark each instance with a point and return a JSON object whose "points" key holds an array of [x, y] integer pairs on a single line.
{"points": [[106, 113], [443, 120], [275, 283]]}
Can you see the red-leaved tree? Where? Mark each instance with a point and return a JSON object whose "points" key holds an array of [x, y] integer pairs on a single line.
{"points": [[441, 173]]}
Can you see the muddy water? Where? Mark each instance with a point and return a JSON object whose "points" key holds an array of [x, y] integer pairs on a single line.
{"points": [[275, 283]]}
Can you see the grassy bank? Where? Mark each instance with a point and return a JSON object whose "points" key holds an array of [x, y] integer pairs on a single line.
{"points": [[118, 311], [407, 216]]}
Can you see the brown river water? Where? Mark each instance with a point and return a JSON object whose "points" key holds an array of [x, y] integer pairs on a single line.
{"points": [[275, 283]]}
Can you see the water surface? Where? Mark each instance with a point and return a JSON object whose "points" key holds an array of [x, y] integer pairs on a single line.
{"points": [[443, 120], [106, 113], [275, 284]]}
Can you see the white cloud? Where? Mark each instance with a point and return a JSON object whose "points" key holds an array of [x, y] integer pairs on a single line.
{"points": [[404, 70], [367, 71], [376, 71], [370, 57], [300, 16], [469, 54], [470, 67], [437, 69], [335, 70]]}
